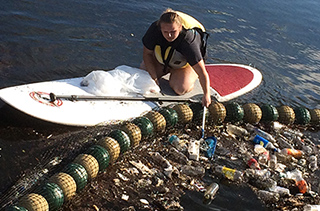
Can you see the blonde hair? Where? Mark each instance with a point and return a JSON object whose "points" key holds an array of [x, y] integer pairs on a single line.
{"points": [[169, 16]]}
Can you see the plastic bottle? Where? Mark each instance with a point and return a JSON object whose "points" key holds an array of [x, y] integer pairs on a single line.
{"points": [[211, 191], [264, 158], [238, 131], [300, 182], [310, 207], [262, 174], [259, 149], [283, 142], [293, 152], [176, 142], [268, 196], [280, 190], [211, 143], [313, 163], [229, 173], [285, 130], [261, 133], [307, 149], [273, 161], [192, 171], [264, 142]]}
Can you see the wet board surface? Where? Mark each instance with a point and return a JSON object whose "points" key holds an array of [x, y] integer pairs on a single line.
{"points": [[227, 81]]}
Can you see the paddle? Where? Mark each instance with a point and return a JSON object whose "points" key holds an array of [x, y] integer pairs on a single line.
{"points": [[54, 97]]}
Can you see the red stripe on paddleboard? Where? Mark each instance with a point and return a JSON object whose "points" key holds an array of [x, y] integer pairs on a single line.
{"points": [[228, 79]]}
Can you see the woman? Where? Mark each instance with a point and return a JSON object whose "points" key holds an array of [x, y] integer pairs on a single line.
{"points": [[186, 63]]}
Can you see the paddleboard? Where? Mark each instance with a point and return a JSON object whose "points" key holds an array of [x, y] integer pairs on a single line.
{"points": [[227, 81]]}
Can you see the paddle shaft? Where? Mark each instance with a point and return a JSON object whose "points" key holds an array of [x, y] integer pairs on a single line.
{"points": [[203, 120], [53, 98]]}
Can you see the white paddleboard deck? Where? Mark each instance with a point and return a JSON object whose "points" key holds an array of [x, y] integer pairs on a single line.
{"points": [[34, 100]]}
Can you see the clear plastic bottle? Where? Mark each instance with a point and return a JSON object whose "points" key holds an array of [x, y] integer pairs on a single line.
{"points": [[283, 141], [238, 131], [313, 163], [307, 149], [268, 196], [273, 161], [261, 133], [264, 142], [176, 142], [264, 158], [192, 171], [285, 130], [280, 190], [262, 174], [229, 173], [211, 191], [293, 152]]}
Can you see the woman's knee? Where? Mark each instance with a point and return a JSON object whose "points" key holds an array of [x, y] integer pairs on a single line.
{"points": [[181, 89]]}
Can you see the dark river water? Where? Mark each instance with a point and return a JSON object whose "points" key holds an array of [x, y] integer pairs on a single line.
{"points": [[44, 40]]}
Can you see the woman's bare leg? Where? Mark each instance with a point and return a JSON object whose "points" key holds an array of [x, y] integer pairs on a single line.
{"points": [[182, 80]]}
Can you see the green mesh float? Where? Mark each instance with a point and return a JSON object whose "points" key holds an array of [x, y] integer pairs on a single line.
{"points": [[145, 126], [53, 194], [197, 110], [170, 115], [303, 116], [234, 111], [15, 208], [269, 113], [78, 173], [101, 154], [122, 138]]}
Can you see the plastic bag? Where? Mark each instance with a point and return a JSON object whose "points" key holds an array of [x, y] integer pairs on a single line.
{"points": [[123, 80]]}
